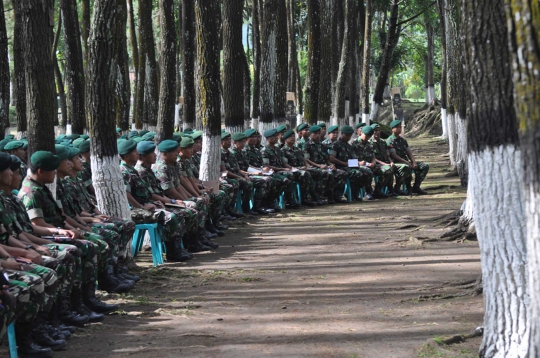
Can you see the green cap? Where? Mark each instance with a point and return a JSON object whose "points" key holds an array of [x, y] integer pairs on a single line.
{"points": [[187, 142], [177, 136], [188, 129], [123, 136], [314, 129], [250, 132], [367, 130], [126, 146], [148, 136], [3, 143], [143, 132], [270, 133], [322, 125], [77, 142], [281, 128], [238, 136], [301, 127], [73, 152], [360, 125], [395, 123], [62, 152], [10, 136], [224, 135], [168, 145], [133, 133], [118, 130], [85, 136], [333, 128], [45, 160], [15, 163], [146, 147], [375, 125], [84, 146], [138, 139], [25, 146], [14, 145], [347, 130], [5, 161], [287, 134], [60, 137], [72, 136], [196, 135]]}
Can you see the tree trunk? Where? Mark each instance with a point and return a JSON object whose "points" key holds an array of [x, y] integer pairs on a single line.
{"points": [[338, 112], [103, 47], [85, 6], [280, 91], [59, 82], [209, 87], [188, 63], [256, 39], [292, 56], [523, 19], [123, 88], [134, 54], [353, 65], [4, 75], [324, 105], [74, 71], [41, 107], [233, 66], [247, 89], [314, 61], [366, 61], [441, 10], [430, 80], [337, 39], [167, 90], [18, 71], [498, 214]]}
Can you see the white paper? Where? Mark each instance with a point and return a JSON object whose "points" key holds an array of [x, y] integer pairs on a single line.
{"points": [[223, 174], [270, 172], [294, 170], [252, 170], [353, 163], [212, 184]]}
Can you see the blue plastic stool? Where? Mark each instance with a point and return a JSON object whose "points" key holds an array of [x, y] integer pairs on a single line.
{"points": [[383, 190], [348, 192], [12, 341], [297, 194], [155, 241], [238, 205]]}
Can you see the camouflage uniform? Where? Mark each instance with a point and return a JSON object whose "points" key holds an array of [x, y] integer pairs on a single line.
{"points": [[273, 157], [364, 152], [246, 186], [255, 159], [317, 153], [360, 177], [401, 171], [196, 163], [28, 290], [140, 191], [399, 146], [301, 143], [85, 174], [295, 158]]}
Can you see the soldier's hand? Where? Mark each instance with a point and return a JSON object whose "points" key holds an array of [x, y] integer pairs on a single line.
{"points": [[43, 250], [103, 217], [149, 207], [34, 257], [414, 166], [265, 169], [159, 204], [12, 264]]}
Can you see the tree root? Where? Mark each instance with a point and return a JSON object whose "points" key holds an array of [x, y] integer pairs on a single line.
{"points": [[460, 338], [467, 288], [465, 229]]}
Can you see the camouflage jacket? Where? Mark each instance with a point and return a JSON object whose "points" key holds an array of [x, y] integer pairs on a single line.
{"points": [[39, 203], [228, 160], [255, 157], [185, 168], [196, 164], [380, 150], [148, 176], [316, 152], [83, 197], [65, 196], [8, 219], [398, 145], [138, 188], [241, 158], [328, 143], [343, 151], [19, 221], [363, 150], [86, 174], [301, 143], [273, 156], [295, 156], [167, 175]]}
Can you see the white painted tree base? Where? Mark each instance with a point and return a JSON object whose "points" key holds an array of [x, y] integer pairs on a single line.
{"points": [[109, 187], [255, 123], [152, 128], [452, 140], [498, 210], [133, 127], [365, 118], [21, 135], [68, 129], [430, 95], [263, 127], [444, 121], [374, 112], [211, 158], [533, 246], [234, 129]]}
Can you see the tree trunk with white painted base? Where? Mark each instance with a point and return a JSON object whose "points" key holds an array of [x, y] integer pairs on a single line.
{"points": [[255, 39], [523, 20], [495, 179], [103, 47], [441, 8], [324, 105], [366, 61], [206, 12]]}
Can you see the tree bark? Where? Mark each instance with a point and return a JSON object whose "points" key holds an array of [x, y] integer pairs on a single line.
{"points": [[103, 47], [366, 61], [338, 112], [292, 55], [493, 138], [123, 87], [430, 80], [85, 6], [18, 70], [247, 89], [314, 62], [4, 75], [167, 90], [337, 39], [256, 39], [188, 63], [324, 105], [441, 5], [233, 65], [41, 107], [353, 65], [523, 20], [134, 56], [209, 87], [59, 81], [74, 70], [280, 91]]}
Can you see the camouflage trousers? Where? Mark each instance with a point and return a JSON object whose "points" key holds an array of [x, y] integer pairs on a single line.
{"points": [[101, 249], [320, 181], [50, 282], [402, 173], [201, 207], [175, 226], [420, 173], [125, 228], [59, 252], [336, 183], [218, 202], [246, 192], [384, 176], [231, 189], [7, 312], [360, 177], [111, 237], [28, 290], [65, 271], [285, 184], [265, 187], [303, 178], [189, 217]]}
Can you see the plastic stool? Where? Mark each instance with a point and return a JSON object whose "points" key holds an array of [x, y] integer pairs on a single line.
{"points": [[238, 205], [348, 192], [297, 194], [155, 241], [12, 341]]}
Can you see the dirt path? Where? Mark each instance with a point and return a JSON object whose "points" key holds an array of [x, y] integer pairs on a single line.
{"points": [[334, 281]]}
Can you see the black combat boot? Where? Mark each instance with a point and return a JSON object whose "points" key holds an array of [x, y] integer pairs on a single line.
{"points": [[90, 300], [67, 315], [26, 345], [41, 336], [174, 253]]}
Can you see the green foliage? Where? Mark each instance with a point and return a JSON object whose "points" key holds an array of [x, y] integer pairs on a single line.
{"points": [[12, 116]]}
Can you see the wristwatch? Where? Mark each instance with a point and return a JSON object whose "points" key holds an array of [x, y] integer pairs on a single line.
{"points": [[28, 247], [57, 231], [173, 201], [93, 215]]}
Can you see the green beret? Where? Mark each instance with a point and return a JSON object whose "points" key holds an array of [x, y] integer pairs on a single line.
{"points": [[25, 146], [123, 136], [84, 146], [3, 143], [395, 123], [281, 128], [85, 136], [139, 139], [143, 132], [148, 136], [322, 125], [60, 137], [188, 129], [14, 145], [314, 129], [375, 125], [186, 135], [187, 142], [224, 135], [177, 136], [15, 163], [73, 152], [196, 135], [146, 147], [10, 136], [126, 146], [250, 132], [238, 136], [301, 127], [72, 136], [367, 130], [360, 125], [133, 133], [45, 160], [118, 130], [62, 152], [332, 129], [5, 161], [270, 133], [287, 134], [77, 142], [168, 145], [347, 130]]}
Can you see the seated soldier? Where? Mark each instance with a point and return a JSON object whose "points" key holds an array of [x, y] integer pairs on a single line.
{"points": [[140, 197], [366, 158], [358, 129], [16, 148], [280, 130], [402, 153], [302, 130], [85, 175], [323, 130], [332, 136]]}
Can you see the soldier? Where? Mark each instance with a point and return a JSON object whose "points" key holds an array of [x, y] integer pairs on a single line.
{"points": [[296, 159], [340, 152], [197, 148], [366, 159], [280, 131], [44, 213], [402, 153], [358, 129], [16, 148], [302, 130], [85, 175], [323, 130], [264, 185], [382, 157], [331, 136]]}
